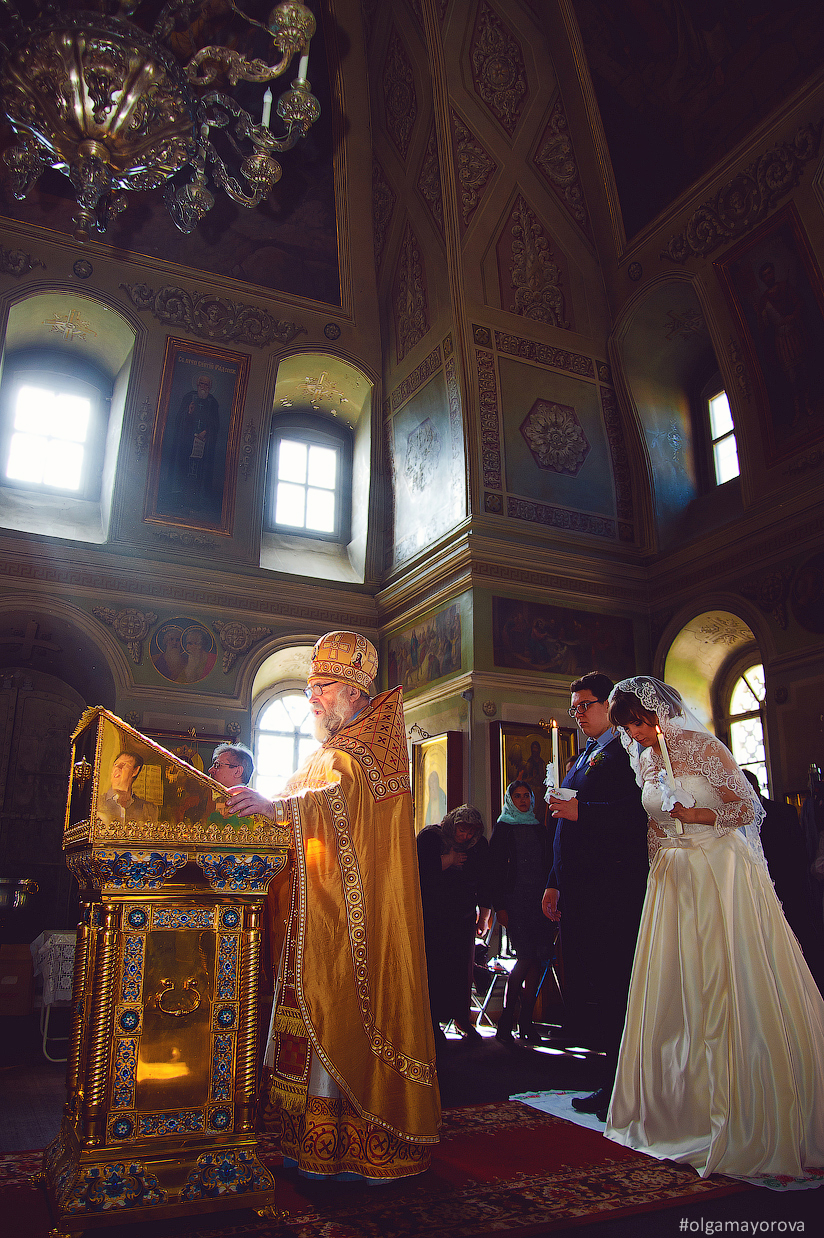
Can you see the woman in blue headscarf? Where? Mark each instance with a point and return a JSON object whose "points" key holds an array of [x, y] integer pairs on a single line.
{"points": [[520, 859]]}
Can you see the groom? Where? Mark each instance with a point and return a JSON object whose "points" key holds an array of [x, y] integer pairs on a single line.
{"points": [[597, 883]]}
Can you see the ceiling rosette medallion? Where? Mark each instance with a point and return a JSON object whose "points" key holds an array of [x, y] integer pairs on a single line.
{"points": [[399, 100], [411, 314], [498, 71], [383, 204], [237, 639], [535, 272], [555, 160], [429, 181], [474, 168], [131, 627], [16, 262], [553, 434]]}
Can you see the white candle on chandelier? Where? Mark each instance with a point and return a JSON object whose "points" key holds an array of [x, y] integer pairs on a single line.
{"points": [[554, 726], [303, 67], [267, 107]]}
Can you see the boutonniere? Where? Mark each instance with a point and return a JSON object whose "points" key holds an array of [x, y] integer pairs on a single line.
{"points": [[595, 759]]}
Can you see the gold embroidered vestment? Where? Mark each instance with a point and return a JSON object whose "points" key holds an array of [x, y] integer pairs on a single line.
{"points": [[352, 984]]}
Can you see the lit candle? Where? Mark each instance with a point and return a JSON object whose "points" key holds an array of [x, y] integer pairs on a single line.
{"points": [[554, 725], [662, 744], [303, 67], [267, 107]]}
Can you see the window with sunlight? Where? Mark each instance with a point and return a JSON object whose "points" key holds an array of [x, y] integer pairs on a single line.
{"points": [[747, 726], [306, 486], [47, 446], [283, 741], [722, 436]]}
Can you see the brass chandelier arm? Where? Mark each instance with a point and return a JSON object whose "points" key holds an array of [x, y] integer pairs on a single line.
{"points": [[210, 62]]}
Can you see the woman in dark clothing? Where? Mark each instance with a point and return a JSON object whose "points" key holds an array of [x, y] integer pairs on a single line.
{"points": [[453, 859], [521, 857]]}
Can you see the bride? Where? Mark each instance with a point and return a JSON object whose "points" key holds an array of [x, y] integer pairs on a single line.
{"points": [[722, 1057]]}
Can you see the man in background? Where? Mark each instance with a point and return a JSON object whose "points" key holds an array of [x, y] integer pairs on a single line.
{"points": [[232, 765]]}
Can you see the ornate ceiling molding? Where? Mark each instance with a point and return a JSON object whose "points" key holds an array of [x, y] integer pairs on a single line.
{"points": [[248, 450], [533, 272], [490, 423], [746, 199], [237, 639], [474, 168], [770, 592], [555, 160], [130, 626], [16, 262], [411, 312], [184, 537], [560, 517], [429, 181], [810, 460], [621, 475], [739, 368], [399, 100], [547, 580], [211, 317], [383, 204], [558, 358], [498, 72], [416, 379]]}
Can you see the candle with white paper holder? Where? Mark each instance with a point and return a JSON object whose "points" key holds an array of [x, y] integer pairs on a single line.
{"points": [[662, 744]]}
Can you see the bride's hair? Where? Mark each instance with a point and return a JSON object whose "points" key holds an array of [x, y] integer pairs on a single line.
{"points": [[626, 707]]}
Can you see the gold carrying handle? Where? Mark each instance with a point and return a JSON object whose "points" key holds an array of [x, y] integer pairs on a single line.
{"points": [[168, 987]]}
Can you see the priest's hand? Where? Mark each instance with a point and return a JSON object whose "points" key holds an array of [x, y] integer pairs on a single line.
{"points": [[246, 803], [457, 858]]}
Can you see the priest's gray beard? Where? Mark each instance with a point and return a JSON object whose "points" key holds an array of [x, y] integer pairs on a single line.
{"points": [[337, 715]]}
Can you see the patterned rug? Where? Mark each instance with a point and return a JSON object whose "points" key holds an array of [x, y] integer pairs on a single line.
{"points": [[503, 1169]]}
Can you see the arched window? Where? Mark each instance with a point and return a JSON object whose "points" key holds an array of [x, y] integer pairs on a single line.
{"points": [[309, 490], [746, 723], [283, 740], [53, 415], [723, 443]]}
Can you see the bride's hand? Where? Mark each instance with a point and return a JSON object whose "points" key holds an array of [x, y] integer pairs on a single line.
{"points": [[693, 816]]}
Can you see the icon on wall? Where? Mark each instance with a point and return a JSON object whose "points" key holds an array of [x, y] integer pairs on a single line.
{"points": [[183, 650]]}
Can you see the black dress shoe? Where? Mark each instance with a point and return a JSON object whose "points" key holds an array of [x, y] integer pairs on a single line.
{"points": [[597, 1103]]}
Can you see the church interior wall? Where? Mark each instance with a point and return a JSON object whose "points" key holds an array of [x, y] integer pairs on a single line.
{"points": [[482, 276]]}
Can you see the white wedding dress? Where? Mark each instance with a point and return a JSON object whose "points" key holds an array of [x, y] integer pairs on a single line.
{"points": [[722, 1057]]}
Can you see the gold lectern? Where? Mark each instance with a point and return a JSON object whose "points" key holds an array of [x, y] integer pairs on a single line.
{"points": [[159, 1116]]}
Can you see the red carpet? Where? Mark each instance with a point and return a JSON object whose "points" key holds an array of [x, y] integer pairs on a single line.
{"points": [[500, 1169]]}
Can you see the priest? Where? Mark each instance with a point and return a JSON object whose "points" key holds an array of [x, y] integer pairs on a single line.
{"points": [[351, 1054]]}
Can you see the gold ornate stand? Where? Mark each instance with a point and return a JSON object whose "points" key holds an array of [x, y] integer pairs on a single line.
{"points": [[161, 1079]]}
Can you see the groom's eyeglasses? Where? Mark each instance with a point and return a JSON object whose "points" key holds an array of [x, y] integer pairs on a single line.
{"points": [[578, 711]]}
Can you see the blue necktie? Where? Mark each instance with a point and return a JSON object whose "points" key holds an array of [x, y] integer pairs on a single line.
{"points": [[591, 743]]}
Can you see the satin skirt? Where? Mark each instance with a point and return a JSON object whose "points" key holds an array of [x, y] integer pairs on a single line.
{"points": [[722, 1057]]}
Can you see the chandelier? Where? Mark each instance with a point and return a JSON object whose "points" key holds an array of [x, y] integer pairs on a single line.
{"points": [[116, 107]]}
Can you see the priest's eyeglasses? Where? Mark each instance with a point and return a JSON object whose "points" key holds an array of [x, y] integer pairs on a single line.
{"points": [[317, 689], [578, 711]]}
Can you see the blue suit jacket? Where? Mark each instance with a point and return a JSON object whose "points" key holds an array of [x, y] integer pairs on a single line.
{"points": [[608, 842]]}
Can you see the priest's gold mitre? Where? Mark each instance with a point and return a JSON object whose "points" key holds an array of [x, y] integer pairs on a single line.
{"points": [[345, 656]]}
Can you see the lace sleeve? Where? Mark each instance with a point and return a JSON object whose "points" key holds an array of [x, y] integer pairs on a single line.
{"points": [[719, 766]]}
